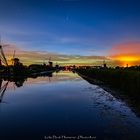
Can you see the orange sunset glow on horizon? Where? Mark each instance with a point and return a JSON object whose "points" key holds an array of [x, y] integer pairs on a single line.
{"points": [[128, 53], [123, 54]]}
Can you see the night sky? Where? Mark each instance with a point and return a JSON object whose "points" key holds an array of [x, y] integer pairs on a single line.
{"points": [[70, 27]]}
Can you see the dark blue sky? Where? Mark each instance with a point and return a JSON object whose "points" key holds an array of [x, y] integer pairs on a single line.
{"points": [[84, 27]]}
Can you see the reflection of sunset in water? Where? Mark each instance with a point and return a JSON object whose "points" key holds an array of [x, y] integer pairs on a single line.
{"points": [[57, 77], [63, 100]]}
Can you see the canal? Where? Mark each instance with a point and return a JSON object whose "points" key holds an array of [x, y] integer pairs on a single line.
{"points": [[64, 105]]}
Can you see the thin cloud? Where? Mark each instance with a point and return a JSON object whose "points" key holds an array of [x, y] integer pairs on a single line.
{"points": [[132, 48], [29, 57]]}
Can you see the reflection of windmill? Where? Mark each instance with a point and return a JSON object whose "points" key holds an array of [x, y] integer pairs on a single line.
{"points": [[2, 89], [2, 55], [49, 79]]}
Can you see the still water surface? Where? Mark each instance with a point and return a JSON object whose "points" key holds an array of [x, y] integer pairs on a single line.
{"points": [[64, 104]]}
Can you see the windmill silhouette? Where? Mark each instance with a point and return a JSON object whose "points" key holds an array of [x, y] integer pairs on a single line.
{"points": [[2, 55], [3, 59]]}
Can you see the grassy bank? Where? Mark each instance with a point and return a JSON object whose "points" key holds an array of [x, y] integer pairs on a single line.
{"points": [[126, 81], [123, 79]]}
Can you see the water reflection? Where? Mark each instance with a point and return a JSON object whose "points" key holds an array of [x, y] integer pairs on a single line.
{"points": [[2, 89], [132, 102], [16, 82], [117, 110], [63, 104]]}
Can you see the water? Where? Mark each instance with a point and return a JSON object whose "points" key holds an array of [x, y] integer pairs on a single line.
{"points": [[64, 105]]}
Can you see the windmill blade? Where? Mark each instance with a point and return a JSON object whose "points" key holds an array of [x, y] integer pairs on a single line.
{"points": [[2, 60], [13, 57], [14, 54], [3, 55]]}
